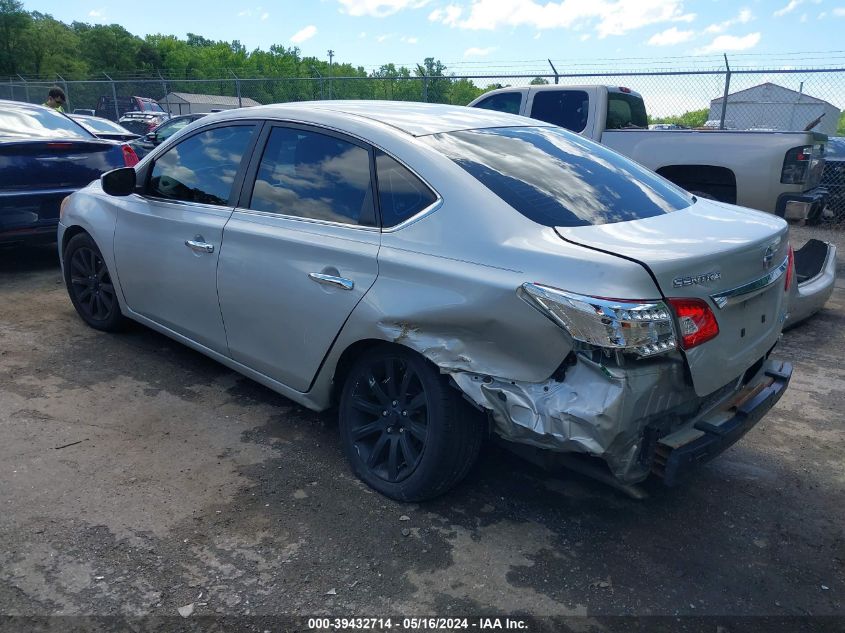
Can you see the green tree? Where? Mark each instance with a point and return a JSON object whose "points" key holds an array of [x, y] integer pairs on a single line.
{"points": [[691, 118], [840, 129], [463, 91], [14, 22], [538, 81], [53, 48]]}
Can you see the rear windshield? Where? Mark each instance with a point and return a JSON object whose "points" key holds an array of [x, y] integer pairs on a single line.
{"points": [[557, 178], [103, 126], [625, 110], [26, 122]]}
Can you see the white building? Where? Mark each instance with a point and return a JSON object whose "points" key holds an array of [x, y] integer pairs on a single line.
{"points": [[772, 107], [188, 103]]}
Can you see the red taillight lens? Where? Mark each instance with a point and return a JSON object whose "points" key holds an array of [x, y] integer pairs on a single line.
{"points": [[790, 269], [130, 158], [697, 321]]}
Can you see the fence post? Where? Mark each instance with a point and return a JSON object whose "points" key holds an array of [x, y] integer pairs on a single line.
{"points": [[166, 94], [554, 70], [114, 96], [237, 88], [67, 91], [727, 89], [25, 87]]}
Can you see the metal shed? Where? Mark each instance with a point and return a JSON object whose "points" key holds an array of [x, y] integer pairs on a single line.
{"points": [[188, 102], [773, 107]]}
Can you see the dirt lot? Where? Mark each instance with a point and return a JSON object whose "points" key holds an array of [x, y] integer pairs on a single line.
{"points": [[139, 477]]}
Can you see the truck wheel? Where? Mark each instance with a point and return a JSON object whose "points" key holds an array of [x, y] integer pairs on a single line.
{"points": [[405, 431]]}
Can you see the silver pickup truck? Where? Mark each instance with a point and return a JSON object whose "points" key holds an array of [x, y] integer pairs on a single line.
{"points": [[778, 172]]}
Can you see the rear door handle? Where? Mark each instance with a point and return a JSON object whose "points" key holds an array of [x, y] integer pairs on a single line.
{"points": [[199, 247], [331, 280]]}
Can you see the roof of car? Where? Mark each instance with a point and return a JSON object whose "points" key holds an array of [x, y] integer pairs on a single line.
{"points": [[417, 119]]}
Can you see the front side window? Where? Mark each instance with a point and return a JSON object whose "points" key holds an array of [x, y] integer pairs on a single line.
{"points": [[503, 102], [557, 178], [401, 194], [203, 167], [316, 176], [566, 108]]}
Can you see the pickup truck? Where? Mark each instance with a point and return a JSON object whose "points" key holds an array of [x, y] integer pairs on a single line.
{"points": [[777, 172]]}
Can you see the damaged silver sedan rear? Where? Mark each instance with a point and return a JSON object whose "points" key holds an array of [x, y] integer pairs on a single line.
{"points": [[438, 273]]}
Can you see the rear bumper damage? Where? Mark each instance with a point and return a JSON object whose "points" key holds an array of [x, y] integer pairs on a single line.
{"points": [[802, 206], [815, 270], [639, 419]]}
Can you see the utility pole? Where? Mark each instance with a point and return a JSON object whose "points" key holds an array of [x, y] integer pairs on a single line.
{"points": [[331, 57]]}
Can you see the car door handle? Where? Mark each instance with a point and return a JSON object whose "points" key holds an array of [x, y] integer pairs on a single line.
{"points": [[331, 280], [199, 247]]}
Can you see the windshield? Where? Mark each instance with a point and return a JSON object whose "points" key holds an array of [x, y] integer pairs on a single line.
{"points": [[31, 122], [835, 148], [625, 110], [104, 126], [557, 178]]}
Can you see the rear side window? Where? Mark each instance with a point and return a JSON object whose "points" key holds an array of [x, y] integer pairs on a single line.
{"points": [[203, 167], [566, 108], [315, 176], [625, 110], [557, 178], [401, 194], [502, 102]]}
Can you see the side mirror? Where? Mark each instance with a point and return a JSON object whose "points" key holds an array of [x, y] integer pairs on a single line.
{"points": [[150, 136], [119, 182]]}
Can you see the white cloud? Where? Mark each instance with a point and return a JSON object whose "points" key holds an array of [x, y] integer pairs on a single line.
{"points": [[245, 13], [97, 15], [448, 15], [724, 43], [378, 8], [789, 8], [670, 37], [479, 52], [362, 35], [409, 40], [382, 38], [822, 15], [584, 37], [265, 15], [610, 17], [304, 34], [744, 17], [839, 12], [537, 35]]}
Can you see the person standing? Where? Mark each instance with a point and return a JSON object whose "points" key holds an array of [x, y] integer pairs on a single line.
{"points": [[56, 99]]}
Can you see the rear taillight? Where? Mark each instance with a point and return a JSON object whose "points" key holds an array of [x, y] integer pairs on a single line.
{"points": [[696, 321], [130, 158], [642, 327], [796, 165], [790, 269]]}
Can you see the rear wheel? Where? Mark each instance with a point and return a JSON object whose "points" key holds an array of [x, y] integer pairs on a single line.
{"points": [[89, 284], [405, 431]]}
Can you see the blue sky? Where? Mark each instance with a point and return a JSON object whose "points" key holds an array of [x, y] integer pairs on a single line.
{"points": [[502, 34]]}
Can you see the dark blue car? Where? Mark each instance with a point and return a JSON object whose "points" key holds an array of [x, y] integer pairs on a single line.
{"points": [[44, 157]]}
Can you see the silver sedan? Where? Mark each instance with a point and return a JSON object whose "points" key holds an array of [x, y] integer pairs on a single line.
{"points": [[440, 274]]}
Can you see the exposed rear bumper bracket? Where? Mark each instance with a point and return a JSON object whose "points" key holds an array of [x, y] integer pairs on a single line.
{"points": [[673, 461]]}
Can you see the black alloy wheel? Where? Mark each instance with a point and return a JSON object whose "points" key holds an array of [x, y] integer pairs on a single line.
{"points": [[406, 432], [89, 284]]}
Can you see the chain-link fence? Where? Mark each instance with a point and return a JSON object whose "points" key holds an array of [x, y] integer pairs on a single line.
{"points": [[745, 98]]}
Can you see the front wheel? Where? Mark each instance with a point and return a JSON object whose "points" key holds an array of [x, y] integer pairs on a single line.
{"points": [[405, 431], [89, 284]]}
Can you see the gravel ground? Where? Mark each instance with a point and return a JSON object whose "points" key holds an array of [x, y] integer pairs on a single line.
{"points": [[139, 477]]}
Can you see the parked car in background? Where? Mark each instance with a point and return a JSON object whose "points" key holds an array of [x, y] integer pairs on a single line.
{"points": [[156, 137], [833, 178], [141, 123], [84, 111], [103, 128], [44, 157], [777, 172], [107, 110], [399, 259]]}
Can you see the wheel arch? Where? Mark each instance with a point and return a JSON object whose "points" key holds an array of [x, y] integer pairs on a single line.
{"points": [[718, 181]]}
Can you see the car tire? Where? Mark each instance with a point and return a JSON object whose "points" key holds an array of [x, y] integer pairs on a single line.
{"points": [[90, 286], [405, 431]]}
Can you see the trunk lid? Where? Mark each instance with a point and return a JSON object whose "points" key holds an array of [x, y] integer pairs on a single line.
{"points": [[715, 252], [32, 165]]}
